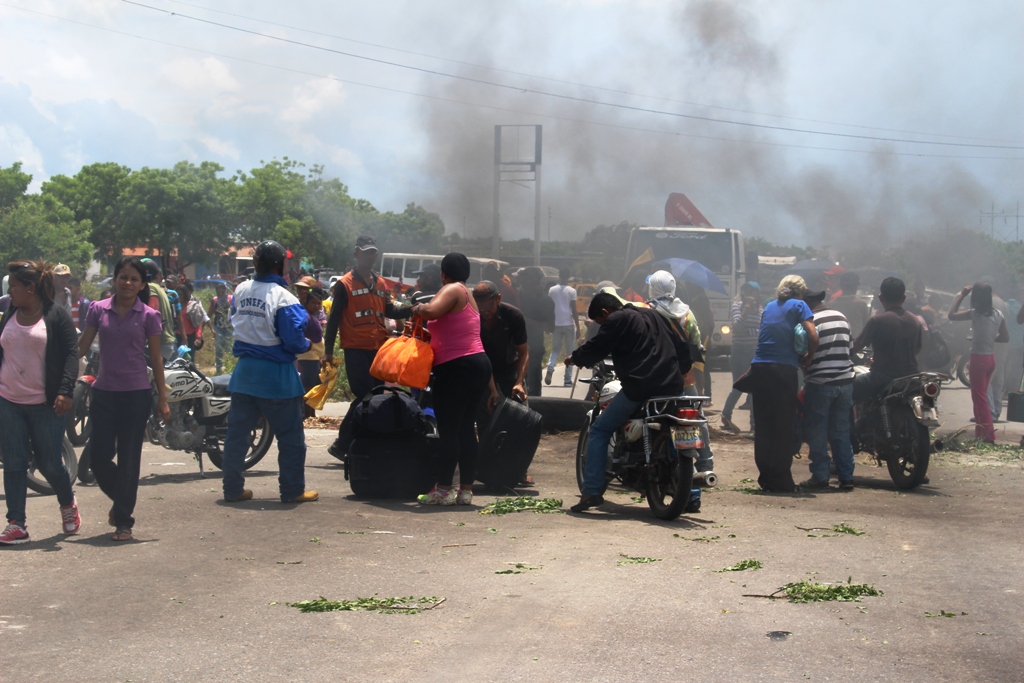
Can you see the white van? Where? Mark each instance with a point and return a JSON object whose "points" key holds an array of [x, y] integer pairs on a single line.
{"points": [[401, 267]]}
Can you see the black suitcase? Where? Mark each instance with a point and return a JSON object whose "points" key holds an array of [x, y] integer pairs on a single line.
{"points": [[391, 468], [508, 444], [1015, 405]]}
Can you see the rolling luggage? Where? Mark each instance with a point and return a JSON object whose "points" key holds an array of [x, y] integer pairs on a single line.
{"points": [[1015, 405], [508, 444], [385, 412], [391, 468]]}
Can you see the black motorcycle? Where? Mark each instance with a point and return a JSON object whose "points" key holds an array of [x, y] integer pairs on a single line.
{"points": [[894, 426], [654, 451]]}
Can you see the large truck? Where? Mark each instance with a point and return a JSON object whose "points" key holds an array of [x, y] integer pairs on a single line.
{"points": [[689, 235]]}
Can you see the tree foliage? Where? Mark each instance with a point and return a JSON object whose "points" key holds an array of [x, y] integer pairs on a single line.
{"points": [[40, 227], [13, 183]]}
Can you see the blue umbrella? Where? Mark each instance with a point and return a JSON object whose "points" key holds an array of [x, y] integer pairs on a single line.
{"points": [[692, 271]]}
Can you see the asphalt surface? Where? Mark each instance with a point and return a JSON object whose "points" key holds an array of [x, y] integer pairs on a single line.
{"points": [[201, 594]]}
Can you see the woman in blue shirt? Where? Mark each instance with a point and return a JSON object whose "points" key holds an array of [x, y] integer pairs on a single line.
{"points": [[774, 383]]}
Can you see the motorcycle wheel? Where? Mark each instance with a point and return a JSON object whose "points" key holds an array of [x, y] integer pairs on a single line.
{"points": [[260, 439], [909, 465], [669, 484], [38, 483], [79, 425], [963, 370], [85, 474]]}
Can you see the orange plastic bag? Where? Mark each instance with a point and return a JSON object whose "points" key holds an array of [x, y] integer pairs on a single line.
{"points": [[405, 360]]}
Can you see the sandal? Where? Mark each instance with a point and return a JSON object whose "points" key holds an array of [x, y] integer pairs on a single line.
{"points": [[526, 481], [122, 534]]}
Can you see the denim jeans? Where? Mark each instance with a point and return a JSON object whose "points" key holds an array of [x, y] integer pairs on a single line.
{"points": [[31, 429], [284, 416], [827, 422], [222, 348], [611, 418], [564, 335], [705, 456]]}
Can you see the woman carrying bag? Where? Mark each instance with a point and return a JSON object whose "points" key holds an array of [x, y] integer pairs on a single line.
{"points": [[462, 373], [38, 368]]}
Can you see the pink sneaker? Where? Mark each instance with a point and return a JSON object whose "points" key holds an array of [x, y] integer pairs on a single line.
{"points": [[14, 534], [70, 517], [438, 497]]}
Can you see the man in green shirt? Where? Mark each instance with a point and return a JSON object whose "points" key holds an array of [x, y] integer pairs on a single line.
{"points": [[159, 301]]}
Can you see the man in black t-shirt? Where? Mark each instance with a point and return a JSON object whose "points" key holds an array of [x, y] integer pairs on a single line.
{"points": [[539, 311], [895, 337], [503, 333]]}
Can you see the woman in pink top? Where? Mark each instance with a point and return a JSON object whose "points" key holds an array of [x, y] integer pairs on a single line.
{"points": [[38, 367], [462, 373]]}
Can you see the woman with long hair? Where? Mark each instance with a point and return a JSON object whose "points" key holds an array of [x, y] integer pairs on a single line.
{"points": [[122, 396], [462, 373], [988, 328], [774, 382], [38, 368]]}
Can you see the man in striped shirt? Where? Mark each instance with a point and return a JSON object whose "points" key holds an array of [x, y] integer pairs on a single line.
{"points": [[828, 397]]}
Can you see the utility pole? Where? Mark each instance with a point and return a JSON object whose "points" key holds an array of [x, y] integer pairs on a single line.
{"points": [[517, 170]]}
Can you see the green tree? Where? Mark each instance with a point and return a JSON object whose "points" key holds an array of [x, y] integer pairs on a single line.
{"points": [[415, 230], [94, 195], [40, 227], [13, 184]]}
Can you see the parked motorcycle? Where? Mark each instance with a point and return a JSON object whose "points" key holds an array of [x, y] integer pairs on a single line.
{"points": [[654, 451], [79, 427], [199, 416], [895, 425]]}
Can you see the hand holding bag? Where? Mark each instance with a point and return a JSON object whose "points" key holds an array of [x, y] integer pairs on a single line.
{"points": [[405, 360]]}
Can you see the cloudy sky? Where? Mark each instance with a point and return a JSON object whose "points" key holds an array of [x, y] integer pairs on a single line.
{"points": [[825, 123]]}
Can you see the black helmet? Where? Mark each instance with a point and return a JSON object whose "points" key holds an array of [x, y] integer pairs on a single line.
{"points": [[152, 269], [269, 257]]}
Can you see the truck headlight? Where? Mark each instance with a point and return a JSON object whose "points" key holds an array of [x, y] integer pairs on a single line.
{"points": [[726, 329]]}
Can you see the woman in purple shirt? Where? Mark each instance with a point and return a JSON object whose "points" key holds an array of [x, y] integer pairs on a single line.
{"points": [[38, 366], [122, 397]]}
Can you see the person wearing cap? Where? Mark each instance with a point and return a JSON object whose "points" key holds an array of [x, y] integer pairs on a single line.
{"points": [[428, 283], [746, 320], [61, 280], [503, 333], [492, 272], [361, 302], [828, 396]]}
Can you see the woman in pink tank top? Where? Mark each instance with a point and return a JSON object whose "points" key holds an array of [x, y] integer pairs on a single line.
{"points": [[462, 373]]}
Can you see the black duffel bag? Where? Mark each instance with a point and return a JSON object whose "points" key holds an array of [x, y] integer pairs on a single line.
{"points": [[384, 413]]}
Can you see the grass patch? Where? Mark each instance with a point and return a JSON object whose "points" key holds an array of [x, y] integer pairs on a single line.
{"points": [[408, 605], [1000, 451], [844, 528], [636, 560], [503, 506], [741, 566], [812, 591]]}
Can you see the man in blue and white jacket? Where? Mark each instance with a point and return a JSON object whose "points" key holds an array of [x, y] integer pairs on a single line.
{"points": [[269, 328]]}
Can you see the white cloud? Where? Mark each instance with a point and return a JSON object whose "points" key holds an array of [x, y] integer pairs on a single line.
{"points": [[16, 145], [209, 74], [315, 96], [224, 148], [346, 157], [71, 67]]}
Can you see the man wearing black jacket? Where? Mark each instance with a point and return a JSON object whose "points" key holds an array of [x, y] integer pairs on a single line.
{"points": [[650, 360]]}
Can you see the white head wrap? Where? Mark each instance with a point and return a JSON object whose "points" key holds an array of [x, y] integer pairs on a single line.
{"points": [[661, 288]]}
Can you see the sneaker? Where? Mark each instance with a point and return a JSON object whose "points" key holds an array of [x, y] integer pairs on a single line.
{"points": [[587, 502], [304, 497], [246, 494], [548, 375], [70, 517], [438, 496], [336, 451], [568, 383], [464, 497], [14, 535], [846, 484], [813, 484]]}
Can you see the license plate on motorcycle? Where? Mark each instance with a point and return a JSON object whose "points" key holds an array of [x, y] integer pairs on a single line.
{"points": [[686, 438]]}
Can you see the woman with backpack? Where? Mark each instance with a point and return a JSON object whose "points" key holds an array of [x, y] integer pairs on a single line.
{"points": [[988, 328]]}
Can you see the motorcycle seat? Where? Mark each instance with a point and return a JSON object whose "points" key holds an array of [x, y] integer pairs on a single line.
{"points": [[220, 385]]}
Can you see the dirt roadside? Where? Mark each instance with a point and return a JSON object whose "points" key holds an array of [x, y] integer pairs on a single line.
{"points": [[201, 596]]}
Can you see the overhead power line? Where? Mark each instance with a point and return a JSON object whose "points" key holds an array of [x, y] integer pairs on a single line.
{"points": [[562, 96], [451, 100], [578, 84]]}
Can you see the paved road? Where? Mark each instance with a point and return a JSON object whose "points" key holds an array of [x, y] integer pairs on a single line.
{"points": [[200, 596]]}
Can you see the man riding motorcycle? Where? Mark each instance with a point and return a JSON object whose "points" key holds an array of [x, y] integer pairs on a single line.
{"points": [[649, 359], [895, 339]]}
